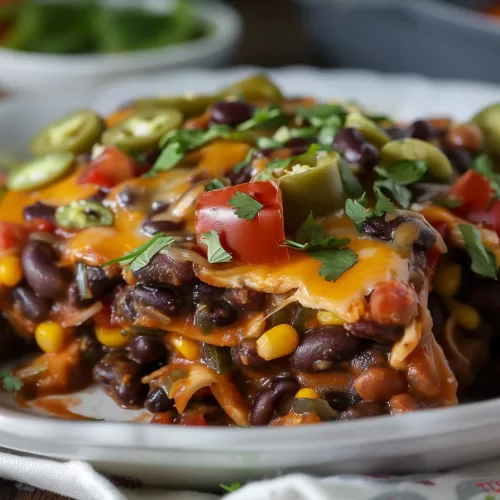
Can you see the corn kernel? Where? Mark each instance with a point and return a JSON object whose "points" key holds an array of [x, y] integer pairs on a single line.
{"points": [[187, 348], [111, 337], [277, 342], [447, 280], [307, 394], [329, 318], [11, 270], [466, 316], [50, 337]]}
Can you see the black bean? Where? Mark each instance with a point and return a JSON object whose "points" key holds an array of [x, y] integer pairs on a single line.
{"points": [[373, 331], [368, 359], [33, 306], [337, 400], [99, 195], [204, 294], [298, 145], [121, 377], [148, 158], [369, 157], [243, 175], [75, 298], [437, 311], [162, 270], [245, 354], [231, 113], [128, 197], [245, 298], [362, 410], [349, 141], [486, 297], [163, 299], [10, 343], [158, 207], [422, 130], [41, 271], [460, 159], [223, 314], [158, 401], [162, 226], [322, 346], [146, 349], [395, 132], [39, 210], [378, 227], [99, 282]]}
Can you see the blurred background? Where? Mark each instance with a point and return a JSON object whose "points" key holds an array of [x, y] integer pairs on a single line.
{"points": [[48, 43]]}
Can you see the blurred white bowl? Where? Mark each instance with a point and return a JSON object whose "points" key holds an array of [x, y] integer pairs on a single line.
{"points": [[33, 72]]}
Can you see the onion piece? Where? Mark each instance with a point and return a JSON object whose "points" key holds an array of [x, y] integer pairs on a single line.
{"points": [[81, 316], [406, 345], [318, 406]]}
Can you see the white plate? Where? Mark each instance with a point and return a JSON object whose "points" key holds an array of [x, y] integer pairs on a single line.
{"points": [[200, 457]]}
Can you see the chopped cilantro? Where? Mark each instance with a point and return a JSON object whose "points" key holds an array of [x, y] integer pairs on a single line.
{"points": [[214, 184], [404, 172], [262, 117], [10, 382], [484, 261], [352, 186], [245, 162], [246, 206], [336, 261], [400, 193], [230, 487], [268, 143], [358, 211], [216, 253]]}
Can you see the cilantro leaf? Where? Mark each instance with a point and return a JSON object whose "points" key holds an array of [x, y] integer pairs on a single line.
{"points": [[10, 382], [357, 212], [400, 193], [168, 159], [262, 117], [336, 261], [352, 186], [327, 134], [318, 115], [404, 172], [230, 487], [483, 165], [246, 206], [286, 162], [384, 205], [140, 257], [309, 231], [484, 261], [216, 254], [268, 143], [245, 162], [306, 132], [447, 203], [214, 184]]}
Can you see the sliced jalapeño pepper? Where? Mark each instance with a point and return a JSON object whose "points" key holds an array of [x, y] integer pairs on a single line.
{"points": [[83, 214], [217, 358], [40, 172], [75, 133], [143, 130], [189, 105]]}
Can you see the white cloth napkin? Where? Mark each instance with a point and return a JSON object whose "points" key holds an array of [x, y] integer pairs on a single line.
{"points": [[79, 480]]}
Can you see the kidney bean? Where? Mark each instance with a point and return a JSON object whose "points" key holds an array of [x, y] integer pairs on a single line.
{"points": [[384, 334], [245, 354], [161, 226], [395, 132], [203, 293], [267, 402], [349, 141], [165, 300], [393, 303], [41, 272], [39, 210], [146, 349], [379, 384], [368, 359], [403, 403], [245, 298], [158, 401], [465, 135], [128, 197], [231, 113], [337, 401], [298, 145], [422, 130], [162, 270], [158, 207], [485, 297], [223, 314], [33, 306], [369, 157], [148, 158], [363, 410], [378, 227], [322, 346], [99, 282], [460, 159], [121, 377]]}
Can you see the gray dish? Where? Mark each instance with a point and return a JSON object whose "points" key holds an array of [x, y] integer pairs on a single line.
{"points": [[431, 37]]}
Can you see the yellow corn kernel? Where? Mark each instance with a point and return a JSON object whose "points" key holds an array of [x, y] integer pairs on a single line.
{"points": [[50, 337], [11, 270], [307, 394], [112, 337], [277, 342], [466, 316], [187, 348], [329, 318], [447, 280]]}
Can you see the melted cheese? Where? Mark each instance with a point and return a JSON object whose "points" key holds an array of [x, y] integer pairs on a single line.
{"points": [[377, 262]]}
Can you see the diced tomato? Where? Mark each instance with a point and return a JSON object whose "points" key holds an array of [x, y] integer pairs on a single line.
{"points": [[490, 218], [13, 235], [110, 168], [103, 318], [191, 419], [474, 191], [259, 240]]}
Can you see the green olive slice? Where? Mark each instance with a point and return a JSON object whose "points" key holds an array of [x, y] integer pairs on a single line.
{"points": [[370, 130], [82, 214], [143, 130], [488, 120], [415, 149], [40, 172], [75, 133]]}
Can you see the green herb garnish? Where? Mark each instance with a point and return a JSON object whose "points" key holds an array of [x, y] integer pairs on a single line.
{"points": [[246, 206], [214, 184], [358, 211], [243, 164], [447, 203], [168, 159], [262, 117], [286, 162], [400, 193], [141, 256], [336, 261], [10, 382], [483, 165], [352, 186], [319, 115], [484, 261], [268, 143], [231, 487], [216, 253], [404, 172]]}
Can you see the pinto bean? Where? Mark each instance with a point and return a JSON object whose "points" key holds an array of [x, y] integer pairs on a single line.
{"points": [[393, 303], [162, 270], [363, 410], [403, 403], [379, 384], [370, 330], [322, 346]]}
